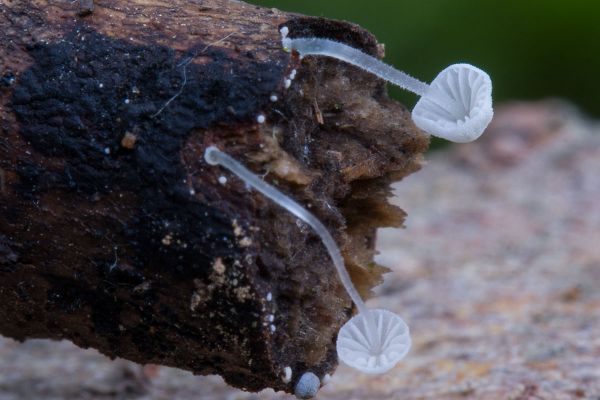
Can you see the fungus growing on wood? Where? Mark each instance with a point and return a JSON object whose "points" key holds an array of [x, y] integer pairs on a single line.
{"points": [[63, 160], [374, 340], [456, 106], [373, 351]]}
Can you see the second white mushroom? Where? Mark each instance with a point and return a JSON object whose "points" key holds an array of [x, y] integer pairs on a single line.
{"points": [[374, 341]]}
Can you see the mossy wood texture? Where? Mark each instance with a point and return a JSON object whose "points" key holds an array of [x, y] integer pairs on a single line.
{"points": [[116, 235]]}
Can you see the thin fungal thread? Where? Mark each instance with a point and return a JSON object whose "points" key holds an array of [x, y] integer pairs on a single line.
{"points": [[214, 156], [184, 64]]}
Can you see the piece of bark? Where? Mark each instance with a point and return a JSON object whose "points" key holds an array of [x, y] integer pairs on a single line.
{"points": [[115, 234]]}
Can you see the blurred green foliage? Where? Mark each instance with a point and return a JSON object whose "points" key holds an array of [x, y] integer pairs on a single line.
{"points": [[531, 48]]}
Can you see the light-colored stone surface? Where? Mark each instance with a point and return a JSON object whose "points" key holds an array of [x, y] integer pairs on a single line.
{"points": [[497, 273]]}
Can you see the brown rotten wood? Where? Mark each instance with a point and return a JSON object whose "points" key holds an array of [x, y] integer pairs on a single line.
{"points": [[115, 234]]}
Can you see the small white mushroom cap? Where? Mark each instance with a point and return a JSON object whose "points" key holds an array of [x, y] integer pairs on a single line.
{"points": [[373, 349], [458, 104]]}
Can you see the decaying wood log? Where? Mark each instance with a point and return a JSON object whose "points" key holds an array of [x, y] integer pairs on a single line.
{"points": [[116, 235]]}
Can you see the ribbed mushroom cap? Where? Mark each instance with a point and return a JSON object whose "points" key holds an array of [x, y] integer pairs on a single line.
{"points": [[458, 104], [376, 349]]}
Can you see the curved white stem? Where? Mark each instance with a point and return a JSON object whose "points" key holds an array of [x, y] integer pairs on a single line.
{"points": [[342, 52], [331, 48], [214, 156]]}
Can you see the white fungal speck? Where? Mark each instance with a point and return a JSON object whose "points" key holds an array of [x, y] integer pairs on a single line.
{"points": [[274, 98], [284, 31], [269, 296], [293, 74], [287, 83], [271, 318], [261, 119], [273, 328], [222, 180], [192, 192], [106, 150], [101, 85], [287, 375], [126, 101]]}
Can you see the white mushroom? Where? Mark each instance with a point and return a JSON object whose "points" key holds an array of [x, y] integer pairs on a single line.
{"points": [[457, 106], [373, 352], [380, 329]]}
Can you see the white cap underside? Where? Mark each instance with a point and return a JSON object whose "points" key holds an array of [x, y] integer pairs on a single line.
{"points": [[458, 105], [374, 352]]}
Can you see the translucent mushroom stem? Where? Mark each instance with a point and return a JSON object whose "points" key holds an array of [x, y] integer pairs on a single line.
{"points": [[342, 52], [214, 156]]}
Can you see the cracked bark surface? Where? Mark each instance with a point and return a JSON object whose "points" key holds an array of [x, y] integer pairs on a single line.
{"points": [[114, 234]]}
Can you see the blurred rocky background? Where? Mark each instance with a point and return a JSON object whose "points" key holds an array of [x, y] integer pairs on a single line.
{"points": [[496, 272]]}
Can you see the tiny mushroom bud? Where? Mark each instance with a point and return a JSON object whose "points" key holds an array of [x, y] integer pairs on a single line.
{"points": [[457, 106], [384, 336], [308, 386]]}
